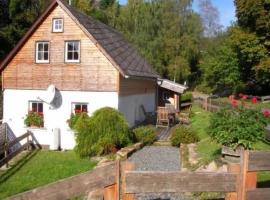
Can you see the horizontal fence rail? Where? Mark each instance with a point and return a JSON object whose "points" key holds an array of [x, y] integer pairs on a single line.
{"points": [[149, 182], [259, 161], [74, 186], [8, 145]]}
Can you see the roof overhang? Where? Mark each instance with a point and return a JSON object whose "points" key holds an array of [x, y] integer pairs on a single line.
{"points": [[170, 85]]}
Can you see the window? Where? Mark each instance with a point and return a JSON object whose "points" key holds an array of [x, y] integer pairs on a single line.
{"points": [[79, 107], [72, 51], [36, 107], [165, 96], [42, 52], [35, 117], [58, 25]]}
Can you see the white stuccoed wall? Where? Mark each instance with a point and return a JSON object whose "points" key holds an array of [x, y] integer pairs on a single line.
{"points": [[16, 108], [130, 106]]}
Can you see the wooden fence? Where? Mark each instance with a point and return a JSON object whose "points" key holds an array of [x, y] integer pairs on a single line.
{"points": [[119, 180], [6, 146]]}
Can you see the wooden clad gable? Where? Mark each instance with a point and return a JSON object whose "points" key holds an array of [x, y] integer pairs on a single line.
{"points": [[129, 86], [94, 72]]}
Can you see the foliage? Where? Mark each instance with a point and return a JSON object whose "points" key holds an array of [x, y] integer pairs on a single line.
{"points": [[104, 132], [34, 119], [187, 96], [237, 127], [220, 68], [167, 33], [16, 17], [40, 168], [73, 119], [183, 135], [145, 135]]}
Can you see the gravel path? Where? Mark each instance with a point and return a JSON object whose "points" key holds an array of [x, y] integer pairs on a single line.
{"points": [[158, 158]]}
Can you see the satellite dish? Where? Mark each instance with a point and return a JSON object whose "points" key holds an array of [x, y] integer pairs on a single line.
{"points": [[49, 95]]}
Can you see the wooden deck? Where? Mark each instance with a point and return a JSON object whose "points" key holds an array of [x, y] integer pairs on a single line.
{"points": [[163, 133]]}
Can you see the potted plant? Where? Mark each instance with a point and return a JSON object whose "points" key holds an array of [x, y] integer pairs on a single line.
{"points": [[34, 120]]}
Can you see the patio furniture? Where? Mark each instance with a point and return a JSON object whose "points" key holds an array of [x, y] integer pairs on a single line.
{"points": [[165, 116]]}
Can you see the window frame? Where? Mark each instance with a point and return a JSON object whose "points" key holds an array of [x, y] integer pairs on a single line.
{"points": [[30, 106], [53, 25], [73, 106], [37, 52], [66, 51]]}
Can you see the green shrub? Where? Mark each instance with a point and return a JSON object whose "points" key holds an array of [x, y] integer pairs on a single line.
{"points": [[73, 120], [103, 133], [34, 119], [183, 135], [237, 127], [145, 135], [186, 96]]}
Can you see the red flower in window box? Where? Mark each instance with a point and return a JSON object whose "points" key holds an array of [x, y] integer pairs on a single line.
{"points": [[77, 111], [34, 119]]}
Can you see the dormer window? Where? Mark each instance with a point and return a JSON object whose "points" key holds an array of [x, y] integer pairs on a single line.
{"points": [[42, 52], [58, 25]]}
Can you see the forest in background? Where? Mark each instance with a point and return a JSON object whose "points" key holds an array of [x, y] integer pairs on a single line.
{"points": [[181, 44]]}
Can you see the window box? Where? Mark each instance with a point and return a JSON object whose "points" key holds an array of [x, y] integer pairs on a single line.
{"points": [[34, 120]]}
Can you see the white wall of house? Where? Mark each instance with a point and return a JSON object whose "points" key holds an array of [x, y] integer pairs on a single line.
{"points": [[16, 106], [130, 106]]}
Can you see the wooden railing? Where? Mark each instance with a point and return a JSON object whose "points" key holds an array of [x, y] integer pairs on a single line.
{"points": [[7, 146], [240, 183], [116, 178]]}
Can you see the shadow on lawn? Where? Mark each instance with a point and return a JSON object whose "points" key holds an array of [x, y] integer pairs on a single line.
{"points": [[17, 166], [264, 184]]}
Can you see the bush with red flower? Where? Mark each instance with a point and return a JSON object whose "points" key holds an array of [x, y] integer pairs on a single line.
{"points": [[239, 126], [34, 119]]}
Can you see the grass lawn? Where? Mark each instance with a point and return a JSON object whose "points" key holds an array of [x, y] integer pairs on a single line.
{"points": [[40, 168], [208, 150]]}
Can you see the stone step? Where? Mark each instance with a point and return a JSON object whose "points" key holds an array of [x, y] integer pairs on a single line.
{"points": [[162, 143]]}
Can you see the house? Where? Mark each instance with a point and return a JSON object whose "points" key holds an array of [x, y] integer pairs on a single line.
{"points": [[86, 65]]}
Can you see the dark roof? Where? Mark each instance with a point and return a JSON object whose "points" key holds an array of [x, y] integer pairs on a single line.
{"points": [[113, 44]]}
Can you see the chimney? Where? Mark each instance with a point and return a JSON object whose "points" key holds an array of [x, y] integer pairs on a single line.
{"points": [[69, 2]]}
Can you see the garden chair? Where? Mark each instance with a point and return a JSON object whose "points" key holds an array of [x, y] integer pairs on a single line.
{"points": [[163, 117]]}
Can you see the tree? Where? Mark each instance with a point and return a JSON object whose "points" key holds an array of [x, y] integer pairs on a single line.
{"points": [[254, 15], [220, 67], [15, 19], [210, 18]]}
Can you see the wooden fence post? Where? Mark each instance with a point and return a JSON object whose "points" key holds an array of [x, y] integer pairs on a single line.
{"points": [[127, 166], [112, 192], [6, 143], [233, 168], [247, 180]]}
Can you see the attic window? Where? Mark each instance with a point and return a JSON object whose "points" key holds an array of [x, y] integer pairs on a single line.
{"points": [[58, 25]]}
